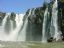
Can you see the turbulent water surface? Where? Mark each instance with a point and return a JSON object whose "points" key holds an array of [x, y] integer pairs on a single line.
{"points": [[30, 45]]}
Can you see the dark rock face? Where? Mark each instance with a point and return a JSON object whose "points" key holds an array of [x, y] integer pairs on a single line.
{"points": [[12, 17], [61, 16], [34, 30], [2, 15], [50, 39]]}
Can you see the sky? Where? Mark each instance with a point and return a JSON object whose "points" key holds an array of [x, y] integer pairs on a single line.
{"points": [[19, 6]]}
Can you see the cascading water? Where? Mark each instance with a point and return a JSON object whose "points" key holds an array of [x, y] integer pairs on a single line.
{"points": [[44, 38], [11, 23], [54, 22], [5, 19], [3, 35], [13, 33], [22, 35], [27, 26], [18, 18]]}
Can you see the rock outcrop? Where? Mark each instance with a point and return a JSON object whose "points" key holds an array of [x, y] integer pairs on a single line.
{"points": [[61, 16]]}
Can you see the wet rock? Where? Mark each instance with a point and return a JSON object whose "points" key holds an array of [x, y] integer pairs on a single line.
{"points": [[13, 15], [50, 40], [61, 16], [2, 15]]}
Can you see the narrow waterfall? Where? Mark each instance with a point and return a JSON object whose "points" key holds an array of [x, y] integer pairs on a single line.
{"points": [[54, 21], [18, 18], [5, 19], [11, 24], [44, 38], [22, 35], [3, 35]]}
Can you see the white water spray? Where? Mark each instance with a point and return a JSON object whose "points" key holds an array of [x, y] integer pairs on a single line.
{"points": [[57, 33], [12, 36], [14, 33], [3, 35], [44, 39], [22, 36]]}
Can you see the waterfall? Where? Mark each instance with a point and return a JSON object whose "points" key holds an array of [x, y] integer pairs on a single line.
{"points": [[5, 19], [18, 18], [22, 35], [54, 22], [17, 27], [44, 38], [13, 32], [3, 35], [11, 23]]}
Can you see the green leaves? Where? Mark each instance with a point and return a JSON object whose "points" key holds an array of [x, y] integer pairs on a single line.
{"points": [[62, 0]]}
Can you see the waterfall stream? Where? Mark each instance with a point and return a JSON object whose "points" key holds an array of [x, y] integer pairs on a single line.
{"points": [[22, 36], [44, 39]]}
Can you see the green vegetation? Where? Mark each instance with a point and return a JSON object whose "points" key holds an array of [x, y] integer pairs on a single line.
{"points": [[62, 0]]}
